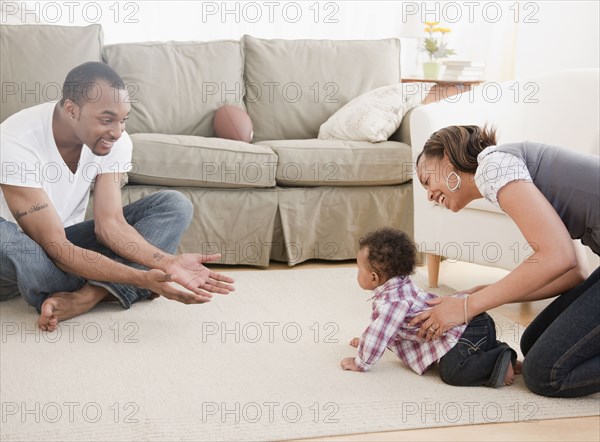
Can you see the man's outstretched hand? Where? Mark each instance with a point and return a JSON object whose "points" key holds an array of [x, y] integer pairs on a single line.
{"points": [[188, 271]]}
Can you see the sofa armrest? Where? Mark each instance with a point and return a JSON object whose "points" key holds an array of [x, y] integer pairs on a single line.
{"points": [[553, 108]]}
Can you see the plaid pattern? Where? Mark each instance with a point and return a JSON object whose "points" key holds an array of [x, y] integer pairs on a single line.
{"points": [[395, 304]]}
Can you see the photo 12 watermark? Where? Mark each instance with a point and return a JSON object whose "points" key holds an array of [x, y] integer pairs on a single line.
{"points": [[490, 252], [269, 412], [69, 12], [469, 412], [471, 11], [70, 332], [270, 332], [271, 12], [44, 92], [254, 252], [70, 412]]}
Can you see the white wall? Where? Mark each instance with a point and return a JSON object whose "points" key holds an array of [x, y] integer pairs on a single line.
{"points": [[567, 36], [514, 39]]}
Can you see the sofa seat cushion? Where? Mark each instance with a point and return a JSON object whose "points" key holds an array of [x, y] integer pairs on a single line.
{"points": [[176, 87], [341, 163], [187, 160]]}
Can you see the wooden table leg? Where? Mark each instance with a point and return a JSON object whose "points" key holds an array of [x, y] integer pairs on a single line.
{"points": [[433, 269]]}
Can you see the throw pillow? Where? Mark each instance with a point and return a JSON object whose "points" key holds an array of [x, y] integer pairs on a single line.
{"points": [[375, 115]]}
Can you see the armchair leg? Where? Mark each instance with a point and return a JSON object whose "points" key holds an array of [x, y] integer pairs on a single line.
{"points": [[433, 269]]}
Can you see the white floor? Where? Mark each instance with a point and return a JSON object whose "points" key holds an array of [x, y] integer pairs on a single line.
{"points": [[463, 275]]}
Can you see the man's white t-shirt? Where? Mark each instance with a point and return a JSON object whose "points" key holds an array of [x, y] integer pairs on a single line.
{"points": [[30, 158]]}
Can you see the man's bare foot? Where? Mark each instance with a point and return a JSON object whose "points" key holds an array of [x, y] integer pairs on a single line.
{"points": [[510, 375], [66, 305]]}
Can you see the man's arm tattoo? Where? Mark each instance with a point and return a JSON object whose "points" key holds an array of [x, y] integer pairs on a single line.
{"points": [[35, 208]]}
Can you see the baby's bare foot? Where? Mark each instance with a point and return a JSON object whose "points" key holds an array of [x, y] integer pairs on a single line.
{"points": [[355, 342], [518, 367], [510, 375], [66, 305]]}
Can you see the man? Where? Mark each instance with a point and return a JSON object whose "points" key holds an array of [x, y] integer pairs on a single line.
{"points": [[51, 154]]}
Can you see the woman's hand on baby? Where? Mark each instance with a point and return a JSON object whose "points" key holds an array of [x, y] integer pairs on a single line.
{"points": [[446, 313], [348, 364], [355, 342]]}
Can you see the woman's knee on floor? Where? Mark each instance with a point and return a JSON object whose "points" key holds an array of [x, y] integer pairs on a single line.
{"points": [[538, 379]]}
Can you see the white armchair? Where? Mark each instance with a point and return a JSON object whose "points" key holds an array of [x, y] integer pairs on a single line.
{"points": [[560, 108]]}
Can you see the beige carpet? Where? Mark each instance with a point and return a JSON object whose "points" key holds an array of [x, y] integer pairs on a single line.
{"points": [[261, 364]]}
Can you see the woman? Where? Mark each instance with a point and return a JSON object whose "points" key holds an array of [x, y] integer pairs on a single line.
{"points": [[553, 195]]}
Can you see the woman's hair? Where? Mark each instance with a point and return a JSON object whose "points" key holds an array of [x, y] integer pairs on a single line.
{"points": [[391, 252], [462, 144]]}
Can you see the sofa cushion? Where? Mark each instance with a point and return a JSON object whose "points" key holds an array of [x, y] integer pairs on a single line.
{"points": [[186, 160], [375, 115], [341, 163], [35, 60], [294, 86], [176, 87]]}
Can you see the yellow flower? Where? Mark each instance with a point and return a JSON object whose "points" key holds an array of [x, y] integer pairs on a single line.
{"points": [[434, 44]]}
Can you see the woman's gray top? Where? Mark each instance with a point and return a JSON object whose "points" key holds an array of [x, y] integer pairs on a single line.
{"points": [[570, 181]]}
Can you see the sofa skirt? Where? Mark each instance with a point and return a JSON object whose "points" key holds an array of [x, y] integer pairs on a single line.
{"points": [[325, 223], [292, 225]]}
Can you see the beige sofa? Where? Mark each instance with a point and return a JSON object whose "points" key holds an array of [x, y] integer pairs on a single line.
{"points": [[288, 196]]}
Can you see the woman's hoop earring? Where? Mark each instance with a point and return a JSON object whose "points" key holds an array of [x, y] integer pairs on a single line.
{"points": [[458, 182]]}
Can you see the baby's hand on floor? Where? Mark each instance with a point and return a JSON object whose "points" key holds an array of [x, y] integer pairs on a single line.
{"points": [[348, 364], [355, 342]]}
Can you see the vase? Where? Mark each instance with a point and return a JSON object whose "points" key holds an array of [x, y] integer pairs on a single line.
{"points": [[431, 70]]}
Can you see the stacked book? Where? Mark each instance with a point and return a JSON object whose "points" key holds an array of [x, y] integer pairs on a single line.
{"points": [[457, 70]]}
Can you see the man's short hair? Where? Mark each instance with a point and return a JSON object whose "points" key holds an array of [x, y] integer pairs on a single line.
{"points": [[82, 84], [391, 252]]}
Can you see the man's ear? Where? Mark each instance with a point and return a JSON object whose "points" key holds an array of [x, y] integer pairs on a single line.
{"points": [[71, 109]]}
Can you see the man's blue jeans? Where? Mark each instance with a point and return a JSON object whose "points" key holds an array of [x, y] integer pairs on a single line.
{"points": [[478, 358], [161, 218], [562, 344]]}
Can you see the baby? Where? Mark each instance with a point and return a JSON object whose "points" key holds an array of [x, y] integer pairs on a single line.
{"points": [[468, 355]]}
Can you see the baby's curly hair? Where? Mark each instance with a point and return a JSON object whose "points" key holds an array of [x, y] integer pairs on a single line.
{"points": [[391, 252]]}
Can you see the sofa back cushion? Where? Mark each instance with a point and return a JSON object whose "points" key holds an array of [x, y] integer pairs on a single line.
{"points": [[35, 59], [176, 87], [294, 86]]}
